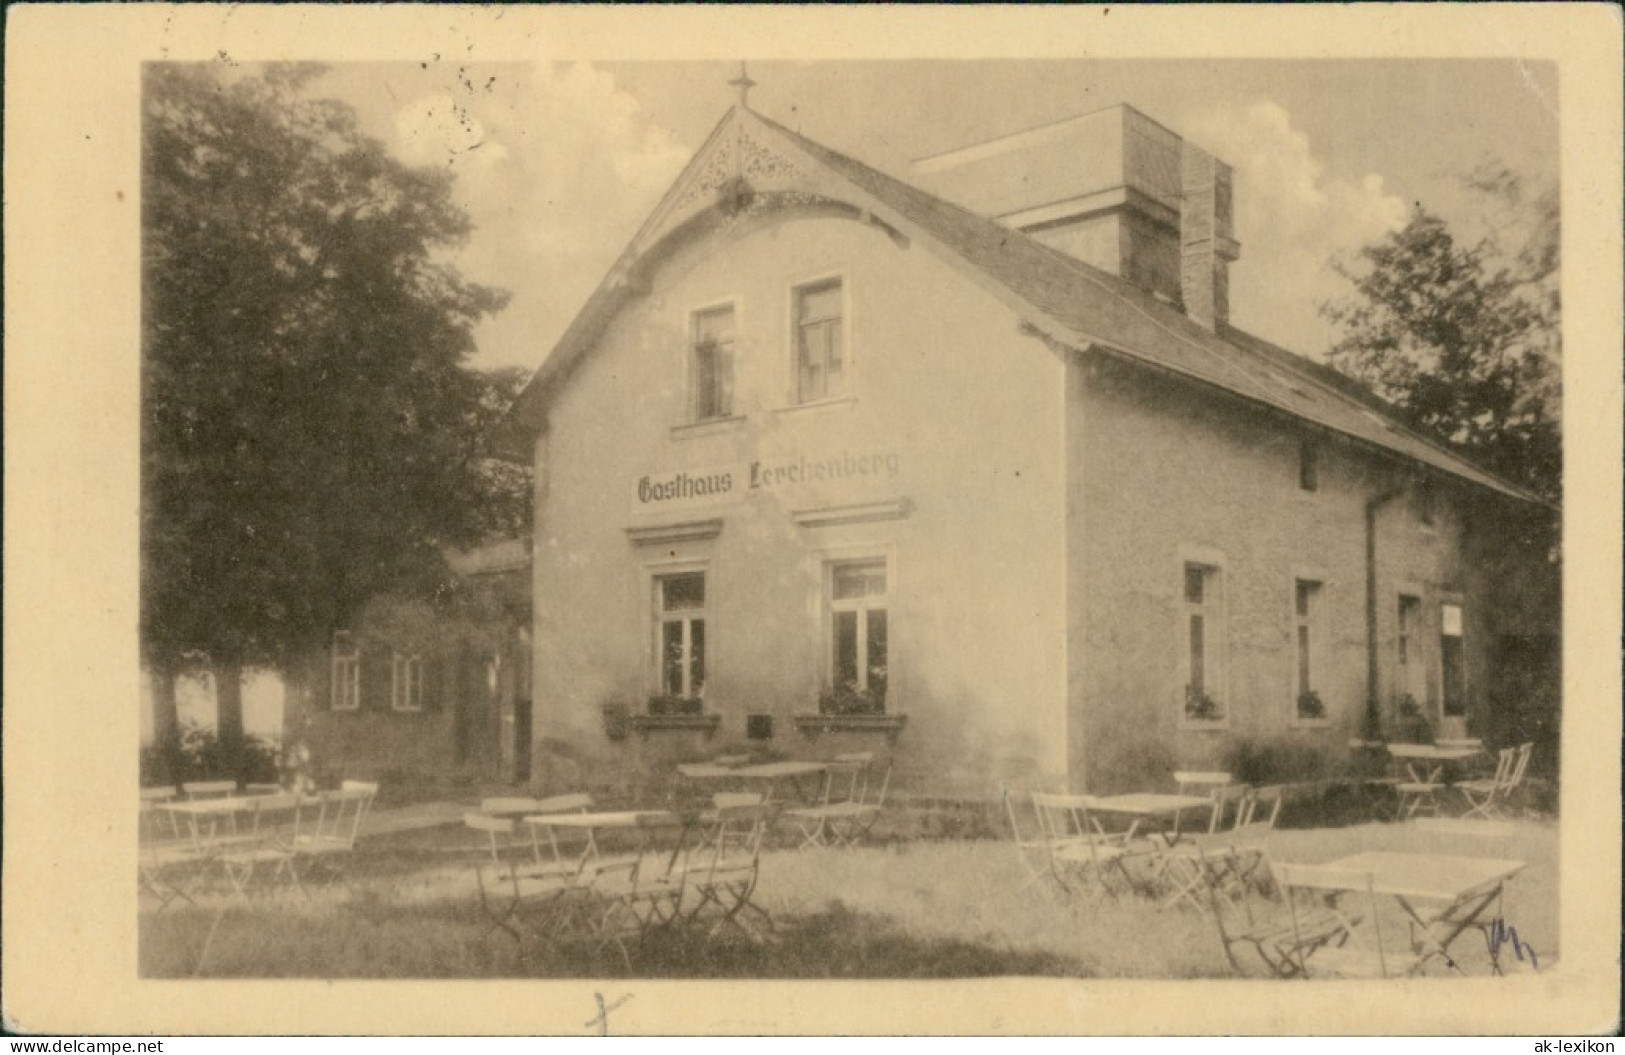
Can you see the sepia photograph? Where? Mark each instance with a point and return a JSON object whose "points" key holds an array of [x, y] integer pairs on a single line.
{"points": [[1050, 518]]}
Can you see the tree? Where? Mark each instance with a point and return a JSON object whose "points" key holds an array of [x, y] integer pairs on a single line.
{"points": [[311, 433], [1465, 340]]}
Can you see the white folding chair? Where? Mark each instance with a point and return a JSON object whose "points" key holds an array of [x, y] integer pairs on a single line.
{"points": [[1081, 852], [328, 824], [723, 872], [1033, 851], [1181, 866], [268, 845], [1488, 798], [1321, 927]]}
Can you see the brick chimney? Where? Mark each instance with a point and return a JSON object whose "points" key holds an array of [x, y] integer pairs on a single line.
{"points": [[1207, 243], [1112, 188]]}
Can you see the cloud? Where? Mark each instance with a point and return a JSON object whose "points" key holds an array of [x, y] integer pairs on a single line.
{"points": [[556, 166], [437, 130], [1293, 218]]}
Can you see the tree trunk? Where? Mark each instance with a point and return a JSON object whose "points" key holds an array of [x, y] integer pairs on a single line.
{"points": [[228, 721]]}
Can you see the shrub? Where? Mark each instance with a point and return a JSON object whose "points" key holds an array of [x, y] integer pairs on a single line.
{"points": [[849, 699], [1259, 762], [195, 752], [664, 705]]}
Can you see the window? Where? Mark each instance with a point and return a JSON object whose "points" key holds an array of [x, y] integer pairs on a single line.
{"points": [[680, 634], [1306, 618], [1427, 502], [346, 674], [1308, 465], [406, 682], [820, 362], [859, 636], [1204, 642], [711, 366], [1411, 667], [1452, 660]]}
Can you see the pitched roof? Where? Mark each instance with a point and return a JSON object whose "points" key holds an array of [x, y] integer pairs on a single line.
{"points": [[1085, 306]]}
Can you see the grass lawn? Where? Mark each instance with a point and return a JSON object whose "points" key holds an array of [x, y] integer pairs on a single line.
{"points": [[917, 909]]}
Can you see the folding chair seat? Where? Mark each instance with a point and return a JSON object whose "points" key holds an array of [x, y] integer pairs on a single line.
{"points": [[1243, 918], [1246, 848], [723, 871], [511, 864], [1082, 854], [1033, 852], [169, 862], [328, 824], [1414, 796], [268, 845], [1179, 867], [1320, 939], [1488, 797], [844, 782], [852, 822]]}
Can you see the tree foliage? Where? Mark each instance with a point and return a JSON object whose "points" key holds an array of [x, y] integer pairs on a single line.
{"points": [[1465, 339], [311, 432]]}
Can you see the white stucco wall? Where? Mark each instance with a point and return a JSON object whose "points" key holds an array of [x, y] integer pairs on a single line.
{"points": [[962, 416]]}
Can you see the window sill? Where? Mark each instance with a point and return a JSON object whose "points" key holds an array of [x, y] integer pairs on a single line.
{"points": [[1194, 725], [811, 725], [1309, 723], [644, 724], [817, 404], [695, 429]]}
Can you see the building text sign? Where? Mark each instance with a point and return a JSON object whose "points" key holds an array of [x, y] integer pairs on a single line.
{"points": [[676, 489]]}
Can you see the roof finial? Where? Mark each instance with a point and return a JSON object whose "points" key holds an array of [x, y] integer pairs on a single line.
{"points": [[744, 84]]}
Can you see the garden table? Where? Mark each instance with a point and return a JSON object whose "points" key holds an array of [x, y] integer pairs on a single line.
{"points": [[609, 898], [1146, 806], [1460, 889], [1431, 757], [1425, 763]]}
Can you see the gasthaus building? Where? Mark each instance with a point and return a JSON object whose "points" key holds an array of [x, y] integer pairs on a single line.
{"points": [[979, 477]]}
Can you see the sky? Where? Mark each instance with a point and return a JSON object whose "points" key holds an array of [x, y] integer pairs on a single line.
{"points": [[559, 163]]}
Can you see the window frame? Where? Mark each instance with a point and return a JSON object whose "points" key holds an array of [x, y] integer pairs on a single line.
{"points": [[1215, 637], [1463, 680], [1309, 465], [1412, 676], [824, 562], [691, 346], [1314, 622], [656, 576], [344, 660], [843, 327], [411, 663]]}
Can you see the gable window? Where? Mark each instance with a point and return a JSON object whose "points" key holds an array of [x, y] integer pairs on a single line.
{"points": [[406, 682], [821, 367], [1427, 504], [1306, 619], [1204, 643], [859, 637], [711, 363], [1308, 465], [679, 603], [346, 673], [1452, 661]]}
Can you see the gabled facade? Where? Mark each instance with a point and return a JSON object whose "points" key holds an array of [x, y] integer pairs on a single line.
{"points": [[829, 461]]}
